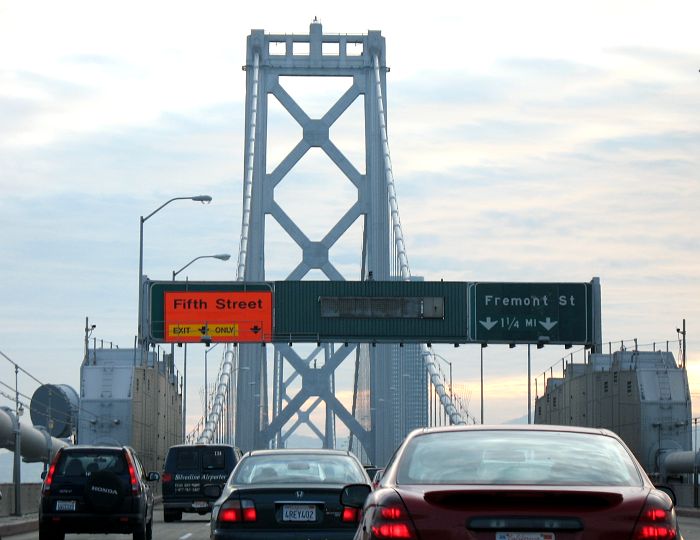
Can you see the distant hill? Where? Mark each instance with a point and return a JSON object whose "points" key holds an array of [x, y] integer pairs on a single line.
{"points": [[303, 441], [29, 472]]}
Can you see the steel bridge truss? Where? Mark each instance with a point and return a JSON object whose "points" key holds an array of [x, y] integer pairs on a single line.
{"points": [[391, 383]]}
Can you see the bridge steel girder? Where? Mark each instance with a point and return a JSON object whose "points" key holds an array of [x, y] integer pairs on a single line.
{"points": [[263, 72]]}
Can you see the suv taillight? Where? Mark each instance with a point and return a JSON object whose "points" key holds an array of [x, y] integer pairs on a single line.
{"points": [[391, 520], [166, 477], [135, 486], [46, 488], [657, 521]]}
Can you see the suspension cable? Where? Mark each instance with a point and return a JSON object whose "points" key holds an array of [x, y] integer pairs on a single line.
{"points": [[405, 271], [213, 416], [389, 176], [248, 180], [217, 408]]}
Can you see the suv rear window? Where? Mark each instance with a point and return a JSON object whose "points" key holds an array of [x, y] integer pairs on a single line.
{"points": [[187, 458], [88, 462], [212, 458]]}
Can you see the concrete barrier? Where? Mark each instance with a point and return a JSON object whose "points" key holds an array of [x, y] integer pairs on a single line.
{"points": [[29, 502]]}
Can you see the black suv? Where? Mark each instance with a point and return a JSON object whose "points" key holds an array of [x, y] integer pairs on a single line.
{"points": [[190, 467], [96, 489]]}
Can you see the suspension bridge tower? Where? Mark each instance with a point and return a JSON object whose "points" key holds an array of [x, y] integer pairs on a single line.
{"points": [[389, 386]]}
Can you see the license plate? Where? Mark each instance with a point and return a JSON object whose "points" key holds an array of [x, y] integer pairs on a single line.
{"points": [[298, 512], [524, 536], [200, 504], [65, 506]]}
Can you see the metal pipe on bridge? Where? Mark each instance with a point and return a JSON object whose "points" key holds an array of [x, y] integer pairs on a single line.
{"points": [[36, 445], [680, 462]]}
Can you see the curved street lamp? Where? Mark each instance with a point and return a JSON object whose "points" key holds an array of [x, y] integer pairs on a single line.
{"points": [[220, 256], [204, 199]]}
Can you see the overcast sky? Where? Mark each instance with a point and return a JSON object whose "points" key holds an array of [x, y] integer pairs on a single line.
{"points": [[531, 141]]}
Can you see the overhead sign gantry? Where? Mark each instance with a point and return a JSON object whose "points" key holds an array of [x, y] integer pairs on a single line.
{"points": [[375, 312]]}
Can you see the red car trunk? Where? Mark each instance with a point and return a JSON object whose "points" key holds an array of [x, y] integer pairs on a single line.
{"points": [[479, 513]]}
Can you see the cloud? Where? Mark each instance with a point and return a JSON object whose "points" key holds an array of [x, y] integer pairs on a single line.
{"points": [[522, 151]]}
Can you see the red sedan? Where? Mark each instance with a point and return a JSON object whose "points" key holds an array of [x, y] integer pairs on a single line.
{"points": [[514, 483]]}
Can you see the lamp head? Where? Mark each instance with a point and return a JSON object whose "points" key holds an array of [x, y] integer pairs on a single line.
{"points": [[206, 199], [222, 256]]}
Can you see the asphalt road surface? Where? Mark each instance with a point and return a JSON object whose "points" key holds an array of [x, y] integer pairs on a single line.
{"points": [[194, 527], [690, 527]]}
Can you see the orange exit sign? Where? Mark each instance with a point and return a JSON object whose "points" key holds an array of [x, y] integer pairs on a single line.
{"points": [[210, 316]]}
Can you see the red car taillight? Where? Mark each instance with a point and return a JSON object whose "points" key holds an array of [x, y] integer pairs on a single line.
{"points": [[237, 511], [657, 521], [49, 476], [391, 520], [166, 477]]}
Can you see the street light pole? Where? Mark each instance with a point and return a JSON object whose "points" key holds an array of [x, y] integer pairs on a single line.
{"points": [[221, 257], [17, 475], [142, 220], [529, 386], [483, 346]]}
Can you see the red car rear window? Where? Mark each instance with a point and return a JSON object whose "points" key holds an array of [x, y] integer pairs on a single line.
{"points": [[507, 457]]}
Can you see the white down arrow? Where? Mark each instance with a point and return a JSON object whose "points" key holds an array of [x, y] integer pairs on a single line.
{"points": [[488, 323], [548, 324]]}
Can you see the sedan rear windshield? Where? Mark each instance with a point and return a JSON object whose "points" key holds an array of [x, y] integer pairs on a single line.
{"points": [[298, 468], [510, 457]]}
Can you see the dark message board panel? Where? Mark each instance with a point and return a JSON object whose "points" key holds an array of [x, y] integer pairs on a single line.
{"points": [[371, 311]]}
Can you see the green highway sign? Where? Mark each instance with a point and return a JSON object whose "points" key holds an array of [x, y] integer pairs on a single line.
{"points": [[374, 312], [543, 313]]}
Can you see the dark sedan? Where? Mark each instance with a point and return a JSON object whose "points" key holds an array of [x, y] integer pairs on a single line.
{"points": [[514, 483], [288, 494]]}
